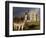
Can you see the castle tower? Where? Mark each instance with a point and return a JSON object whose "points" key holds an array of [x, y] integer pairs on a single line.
{"points": [[25, 15], [32, 15]]}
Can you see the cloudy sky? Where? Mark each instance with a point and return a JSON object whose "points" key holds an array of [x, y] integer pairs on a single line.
{"points": [[19, 11]]}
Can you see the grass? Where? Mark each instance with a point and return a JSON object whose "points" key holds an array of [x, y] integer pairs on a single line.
{"points": [[31, 26]]}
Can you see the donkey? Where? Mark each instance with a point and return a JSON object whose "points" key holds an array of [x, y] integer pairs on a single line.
{"points": [[20, 23]]}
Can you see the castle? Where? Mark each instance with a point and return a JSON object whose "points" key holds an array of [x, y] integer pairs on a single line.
{"points": [[31, 16]]}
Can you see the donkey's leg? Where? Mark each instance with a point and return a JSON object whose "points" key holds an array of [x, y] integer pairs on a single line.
{"points": [[22, 27], [18, 27], [15, 27]]}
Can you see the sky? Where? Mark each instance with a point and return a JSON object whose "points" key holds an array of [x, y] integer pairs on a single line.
{"points": [[19, 11]]}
